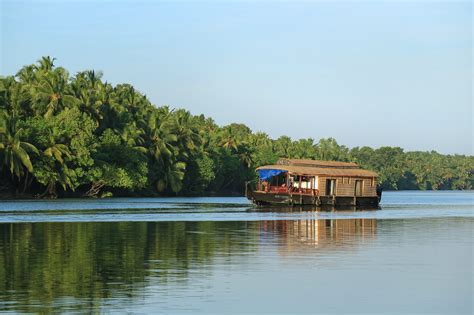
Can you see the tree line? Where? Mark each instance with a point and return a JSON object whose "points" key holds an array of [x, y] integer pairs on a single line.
{"points": [[63, 135]]}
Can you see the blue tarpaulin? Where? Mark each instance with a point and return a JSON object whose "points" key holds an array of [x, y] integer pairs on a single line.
{"points": [[266, 174]]}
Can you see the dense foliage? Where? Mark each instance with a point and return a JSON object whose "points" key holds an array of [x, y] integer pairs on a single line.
{"points": [[79, 135]]}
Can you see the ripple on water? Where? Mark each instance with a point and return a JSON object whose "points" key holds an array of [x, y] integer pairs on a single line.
{"points": [[395, 205]]}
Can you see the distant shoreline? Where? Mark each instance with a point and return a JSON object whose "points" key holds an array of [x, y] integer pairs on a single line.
{"points": [[7, 197]]}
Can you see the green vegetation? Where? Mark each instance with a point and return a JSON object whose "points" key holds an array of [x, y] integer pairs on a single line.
{"points": [[81, 136]]}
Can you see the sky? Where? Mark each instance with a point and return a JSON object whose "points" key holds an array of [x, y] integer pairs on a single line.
{"points": [[375, 73]]}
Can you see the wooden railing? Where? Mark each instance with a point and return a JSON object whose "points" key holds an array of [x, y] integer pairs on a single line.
{"points": [[285, 190]]}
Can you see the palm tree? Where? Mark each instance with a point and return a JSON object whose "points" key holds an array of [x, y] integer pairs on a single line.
{"points": [[87, 88], [54, 163], [14, 151], [171, 177], [53, 93], [27, 74], [132, 100], [229, 139], [261, 139], [187, 130], [162, 135], [57, 151], [329, 149], [244, 154], [14, 96], [170, 137], [133, 137], [110, 108], [46, 63], [304, 149], [284, 147], [58, 175]]}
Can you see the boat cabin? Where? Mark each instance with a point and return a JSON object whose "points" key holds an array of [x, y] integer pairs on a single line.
{"points": [[299, 182]]}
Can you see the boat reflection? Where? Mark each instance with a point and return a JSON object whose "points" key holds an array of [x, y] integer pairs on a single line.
{"points": [[311, 208], [321, 233]]}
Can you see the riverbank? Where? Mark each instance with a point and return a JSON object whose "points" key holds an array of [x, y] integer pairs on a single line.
{"points": [[5, 197]]}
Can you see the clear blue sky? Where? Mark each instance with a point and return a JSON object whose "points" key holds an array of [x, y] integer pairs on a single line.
{"points": [[371, 73]]}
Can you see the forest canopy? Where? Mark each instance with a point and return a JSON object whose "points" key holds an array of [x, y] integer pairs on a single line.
{"points": [[63, 135]]}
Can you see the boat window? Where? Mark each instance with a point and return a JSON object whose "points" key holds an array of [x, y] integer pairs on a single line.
{"points": [[302, 182], [330, 187]]}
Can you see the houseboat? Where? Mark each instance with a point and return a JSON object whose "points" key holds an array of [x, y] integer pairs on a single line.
{"points": [[313, 182]]}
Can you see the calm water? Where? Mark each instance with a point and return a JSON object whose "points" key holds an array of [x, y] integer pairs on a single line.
{"points": [[221, 255]]}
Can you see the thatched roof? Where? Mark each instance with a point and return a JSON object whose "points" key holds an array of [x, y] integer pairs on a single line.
{"points": [[315, 167], [316, 163]]}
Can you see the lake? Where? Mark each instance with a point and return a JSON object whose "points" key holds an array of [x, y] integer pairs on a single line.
{"points": [[222, 255]]}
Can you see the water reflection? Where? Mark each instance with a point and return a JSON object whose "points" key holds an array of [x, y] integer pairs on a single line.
{"points": [[321, 233], [42, 262], [73, 266]]}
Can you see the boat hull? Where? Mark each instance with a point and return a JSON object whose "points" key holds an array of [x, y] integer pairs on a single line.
{"points": [[270, 198]]}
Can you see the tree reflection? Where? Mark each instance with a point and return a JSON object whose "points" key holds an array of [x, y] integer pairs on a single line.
{"points": [[43, 262], [45, 265]]}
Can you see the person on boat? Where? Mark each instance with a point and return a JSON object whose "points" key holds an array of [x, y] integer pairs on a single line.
{"points": [[265, 186], [290, 185]]}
